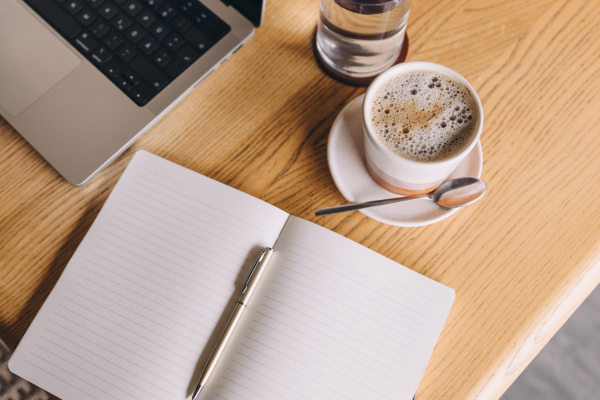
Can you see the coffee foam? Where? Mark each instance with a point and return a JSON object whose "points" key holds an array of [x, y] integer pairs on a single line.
{"points": [[424, 115]]}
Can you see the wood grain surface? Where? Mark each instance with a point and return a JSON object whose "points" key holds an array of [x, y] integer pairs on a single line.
{"points": [[521, 260]]}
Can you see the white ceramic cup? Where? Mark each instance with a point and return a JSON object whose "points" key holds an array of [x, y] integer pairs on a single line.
{"points": [[394, 172]]}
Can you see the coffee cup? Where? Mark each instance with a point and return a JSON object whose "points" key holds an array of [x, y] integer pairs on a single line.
{"points": [[420, 120]]}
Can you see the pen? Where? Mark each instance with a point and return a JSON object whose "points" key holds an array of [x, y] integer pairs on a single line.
{"points": [[247, 290]]}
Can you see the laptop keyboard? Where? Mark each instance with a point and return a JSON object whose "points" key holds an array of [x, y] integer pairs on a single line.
{"points": [[140, 45]]}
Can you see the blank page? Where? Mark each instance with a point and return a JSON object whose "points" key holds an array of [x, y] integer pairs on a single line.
{"points": [[332, 320], [138, 308]]}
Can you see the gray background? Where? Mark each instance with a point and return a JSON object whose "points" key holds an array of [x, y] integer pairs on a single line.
{"points": [[568, 368]]}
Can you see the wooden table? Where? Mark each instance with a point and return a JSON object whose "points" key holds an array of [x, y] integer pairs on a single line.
{"points": [[521, 260]]}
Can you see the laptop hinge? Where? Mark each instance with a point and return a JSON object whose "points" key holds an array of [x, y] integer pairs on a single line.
{"points": [[227, 3]]}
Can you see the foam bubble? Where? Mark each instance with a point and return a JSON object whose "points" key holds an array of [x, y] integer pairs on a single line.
{"points": [[424, 115]]}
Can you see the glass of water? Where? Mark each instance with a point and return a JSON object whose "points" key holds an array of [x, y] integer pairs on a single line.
{"points": [[361, 38]]}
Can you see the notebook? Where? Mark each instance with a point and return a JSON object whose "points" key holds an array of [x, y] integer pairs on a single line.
{"points": [[140, 305]]}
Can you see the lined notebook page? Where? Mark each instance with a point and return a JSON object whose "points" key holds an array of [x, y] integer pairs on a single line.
{"points": [[150, 285], [332, 320]]}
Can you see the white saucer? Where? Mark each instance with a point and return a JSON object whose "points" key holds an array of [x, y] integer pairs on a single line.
{"points": [[345, 155]]}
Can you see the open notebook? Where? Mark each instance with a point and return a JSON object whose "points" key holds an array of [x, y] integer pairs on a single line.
{"points": [[143, 300]]}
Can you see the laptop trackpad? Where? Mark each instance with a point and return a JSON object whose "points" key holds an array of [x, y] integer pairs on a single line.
{"points": [[32, 58]]}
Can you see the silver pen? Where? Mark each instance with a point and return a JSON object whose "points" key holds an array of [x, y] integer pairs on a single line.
{"points": [[247, 290]]}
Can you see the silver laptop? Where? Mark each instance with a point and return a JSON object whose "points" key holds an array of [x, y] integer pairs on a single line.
{"points": [[81, 80]]}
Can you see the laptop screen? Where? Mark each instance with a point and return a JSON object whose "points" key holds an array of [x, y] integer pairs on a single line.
{"points": [[251, 9]]}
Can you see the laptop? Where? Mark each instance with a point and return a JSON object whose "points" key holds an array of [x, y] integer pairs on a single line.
{"points": [[82, 80]]}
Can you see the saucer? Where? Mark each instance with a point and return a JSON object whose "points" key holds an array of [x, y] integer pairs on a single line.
{"points": [[346, 155]]}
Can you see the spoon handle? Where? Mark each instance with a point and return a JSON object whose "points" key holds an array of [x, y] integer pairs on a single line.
{"points": [[373, 203]]}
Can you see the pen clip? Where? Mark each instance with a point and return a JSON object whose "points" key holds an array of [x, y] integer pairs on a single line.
{"points": [[258, 260]]}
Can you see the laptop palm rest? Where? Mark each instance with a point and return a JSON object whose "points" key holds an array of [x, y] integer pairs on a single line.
{"points": [[32, 58]]}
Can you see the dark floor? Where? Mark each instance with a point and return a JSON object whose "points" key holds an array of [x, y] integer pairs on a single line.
{"points": [[568, 368]]}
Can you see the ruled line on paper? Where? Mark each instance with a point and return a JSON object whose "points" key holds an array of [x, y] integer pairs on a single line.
{"points": [[234, 263], [244, 376], [309, 379], [195, 199], [135, 333], [144, 348], [99, 367], [354, 291], [212, 243], [237, 394], [274, 370], [322, 343], [194, 262], [130, 290], [328, 377], [359, 274], [168, 260], [341, 303], [79, 368], [132, 311], [140, 276], [103, 306], [254, 228], [113, 342], [244, 248], [344, 315], [137, 200], [162, 266], [70, 373], [156, 173], [137, 303], [332, 328], [109, 351], [62, 380], [106, 360], [361, 373]]}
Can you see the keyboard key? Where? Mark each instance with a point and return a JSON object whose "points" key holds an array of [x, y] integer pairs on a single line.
{"points": [[189, 6], [181, 23], [149, 72], [114, 68], [100, 28], [154, 4], [121, 22], [135, 33], [202, 16], [73, 6], [185, 57], [198, 39], [173, 42], [148, 45], [132, 77], [86, 42], [87, 16], [101, 55], [126, 52], [146, 18], [141, 93], [133, 7], [95, 3], [160, 30], [216, 29], [58, 17], [108, 10], [123, 83], [162, 57], [113, 40], [167, 12]]}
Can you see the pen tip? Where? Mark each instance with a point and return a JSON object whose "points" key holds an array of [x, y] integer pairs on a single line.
{"points": [[196, 392]]}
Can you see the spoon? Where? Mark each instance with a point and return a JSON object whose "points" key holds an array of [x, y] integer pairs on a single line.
{"points": [[452, 194]]}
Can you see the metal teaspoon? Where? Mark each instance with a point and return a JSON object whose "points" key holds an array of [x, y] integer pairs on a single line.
{"points": [[452, 194]]}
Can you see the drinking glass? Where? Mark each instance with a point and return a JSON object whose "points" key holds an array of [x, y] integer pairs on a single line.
{"points": [[361, 38]]}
